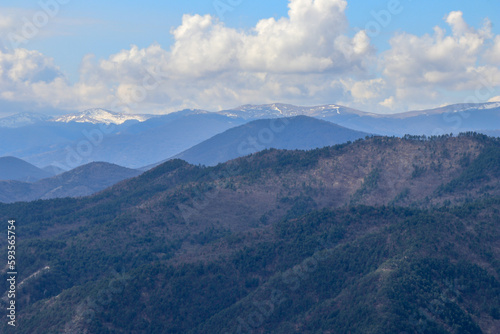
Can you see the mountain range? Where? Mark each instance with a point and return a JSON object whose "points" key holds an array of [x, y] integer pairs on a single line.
{"points": [[12, 168], [444, 120], [100, 116], [101, 135], [132, 143], [94, 116], [299, 132], [23, 119], [81, 181], [382, 235]]}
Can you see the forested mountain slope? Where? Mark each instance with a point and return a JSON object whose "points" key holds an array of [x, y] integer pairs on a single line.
{"points": [[384, 235]]}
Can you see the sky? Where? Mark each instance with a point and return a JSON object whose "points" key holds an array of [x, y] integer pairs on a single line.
{"points": [[62, 56]]}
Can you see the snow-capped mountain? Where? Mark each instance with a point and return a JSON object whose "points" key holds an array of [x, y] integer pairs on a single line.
{"points": [[149, 139], [333, 111], [446, 119], [251, 112], [100, 116], [490, 105], [22, 119], [448, 109]]}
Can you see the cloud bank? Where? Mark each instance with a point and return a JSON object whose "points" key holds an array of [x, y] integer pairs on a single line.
{"points": [[309, 57]]}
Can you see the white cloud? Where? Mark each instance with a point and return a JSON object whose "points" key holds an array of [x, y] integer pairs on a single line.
{"points": [[308, 57], [492, 55], [292, 59], [421, 68], [311, 39], [437, 59], [20, 69], [365, 90], [29, 76], [388, 102], [6, 23]]}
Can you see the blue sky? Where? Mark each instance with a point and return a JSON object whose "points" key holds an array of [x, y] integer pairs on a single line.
{"points": [[381, 56]]}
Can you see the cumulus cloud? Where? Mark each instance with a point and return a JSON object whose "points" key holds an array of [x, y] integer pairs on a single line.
{"points": [[365, 91], [308, 57], [420, 66], [389, 103], [21, 69], [311, 39], [29, 76], [492, 55], [210, 65]]}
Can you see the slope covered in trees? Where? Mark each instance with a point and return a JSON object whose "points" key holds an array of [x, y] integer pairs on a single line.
{"points": [[381, 235]]}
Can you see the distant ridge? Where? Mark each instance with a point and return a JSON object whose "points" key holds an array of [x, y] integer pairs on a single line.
{"points": [[101, 116], [252, 112], [453, 108], [292, 133], [15, 169], [82, 181], [454, 118], [93, 116], [22, 119], [137, 142]]}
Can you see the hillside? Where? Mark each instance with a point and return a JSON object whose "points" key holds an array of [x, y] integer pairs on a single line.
{"points": [[15, 169], [384, 235], [293, 133], [81, 181]]}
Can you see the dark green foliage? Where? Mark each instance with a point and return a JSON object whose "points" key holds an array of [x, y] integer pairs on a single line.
{"points": [[369, 183], [486, 165], [209, 235], [124, 261], [401, 196], [418, 171], [432, 292], [300, 205]]}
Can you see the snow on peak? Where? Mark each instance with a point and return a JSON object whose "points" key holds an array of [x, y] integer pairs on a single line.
{"points": [[22, 119], [100, 116], [490, 105], [472, 106], [276, 108]]}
